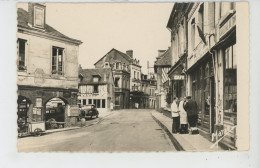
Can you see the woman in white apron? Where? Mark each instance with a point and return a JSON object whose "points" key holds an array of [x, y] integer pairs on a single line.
{"points": [[183, 118]]}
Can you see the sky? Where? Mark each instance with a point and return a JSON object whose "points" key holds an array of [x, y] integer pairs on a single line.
{"points": [[140, 27]]}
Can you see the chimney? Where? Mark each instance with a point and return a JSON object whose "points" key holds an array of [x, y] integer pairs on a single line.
{"points": [[160, 52], [130, 53]]}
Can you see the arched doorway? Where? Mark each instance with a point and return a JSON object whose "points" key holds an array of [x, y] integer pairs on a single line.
{"points": [[23, 108], [55, 109]]}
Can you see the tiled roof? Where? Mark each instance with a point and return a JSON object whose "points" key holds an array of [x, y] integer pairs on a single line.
{"points": [[88, 74], [23, 20], [165, 59]]}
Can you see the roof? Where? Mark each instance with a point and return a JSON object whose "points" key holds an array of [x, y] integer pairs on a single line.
{"points": [[124, 55], [23, 20], [164, 60], [88, 75]]}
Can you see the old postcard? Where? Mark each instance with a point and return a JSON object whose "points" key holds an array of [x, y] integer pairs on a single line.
{"points": [[132, 77]]}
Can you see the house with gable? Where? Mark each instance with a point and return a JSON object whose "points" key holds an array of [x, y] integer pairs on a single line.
{"points": [[96, 86], [120, 63], [47, 69]]}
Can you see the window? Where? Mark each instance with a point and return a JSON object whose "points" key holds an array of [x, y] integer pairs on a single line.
{"points": [[201, 17], [117, 82], [95, 102], [95, 88], [106, 65], [21, 53], [57, 60], [89, 101], [226, 7], [103, 103], [230, 98], [137, 75], [117, 65], [193, 34], [134, 75], [84, 101], [98, 103]]}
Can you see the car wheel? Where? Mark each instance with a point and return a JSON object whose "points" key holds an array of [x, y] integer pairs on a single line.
{"points": [[96, 116]]}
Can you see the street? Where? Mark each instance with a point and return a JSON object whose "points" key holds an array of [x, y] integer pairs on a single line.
{"points": [[123, 130]]}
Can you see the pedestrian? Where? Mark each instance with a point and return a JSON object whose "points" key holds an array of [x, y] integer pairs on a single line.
{"points": [[111, 106], [175, 116], [183, 118], [192, 114]]}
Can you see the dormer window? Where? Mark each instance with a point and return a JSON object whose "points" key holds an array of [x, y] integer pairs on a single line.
{"points": [[95, 79], [37, 15]]}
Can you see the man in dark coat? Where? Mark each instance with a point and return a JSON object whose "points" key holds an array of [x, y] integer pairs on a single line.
{"points": [[192, 111]]}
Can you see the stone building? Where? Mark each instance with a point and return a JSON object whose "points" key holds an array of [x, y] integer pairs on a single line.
{"points": [[97, 87], [47, 68], [120, 63], [204, 64]]}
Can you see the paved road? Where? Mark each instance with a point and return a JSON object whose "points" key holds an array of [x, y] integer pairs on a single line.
{"points": [[124, 130]]}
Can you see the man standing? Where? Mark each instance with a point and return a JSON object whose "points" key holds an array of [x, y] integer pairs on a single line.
{"points": [[175, 116], [192, 113]]}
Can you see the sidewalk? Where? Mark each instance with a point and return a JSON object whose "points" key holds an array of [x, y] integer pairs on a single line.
{"points": [[183, 142]]}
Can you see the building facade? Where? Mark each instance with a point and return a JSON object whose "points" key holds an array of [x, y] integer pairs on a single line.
{"points": [[120, 64], [47, 67], [162, 66], [148, 88], [204, 64], [97, 87]]}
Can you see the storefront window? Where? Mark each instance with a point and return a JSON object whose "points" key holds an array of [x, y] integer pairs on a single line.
{"points": [[230, 97]]}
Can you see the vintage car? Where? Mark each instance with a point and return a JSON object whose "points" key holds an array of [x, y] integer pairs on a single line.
{"points": [[88, 111]]}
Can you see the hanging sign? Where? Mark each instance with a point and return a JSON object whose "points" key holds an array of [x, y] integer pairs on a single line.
{"points": [[178, 77]]}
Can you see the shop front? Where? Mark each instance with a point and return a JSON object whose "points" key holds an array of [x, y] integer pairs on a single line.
{"points": [[36, 104], [178, 79], [202, 85], [225, 51]]}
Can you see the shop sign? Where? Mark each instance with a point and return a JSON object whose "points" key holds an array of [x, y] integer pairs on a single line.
{"points": [[227, 26], [38, 102], [39, 111], [73, 111], [178, 77]]}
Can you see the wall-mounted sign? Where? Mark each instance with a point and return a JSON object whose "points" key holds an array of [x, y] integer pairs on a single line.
{"points": [[178, 77], [38, 102], [73, 111], [227, 26], [39, 111]]}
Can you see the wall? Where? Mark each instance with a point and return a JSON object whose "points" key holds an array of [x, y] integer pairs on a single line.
{"points": [[38, 62]]}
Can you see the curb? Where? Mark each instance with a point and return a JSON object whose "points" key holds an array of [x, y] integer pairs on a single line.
{"points": [[174, 141]]}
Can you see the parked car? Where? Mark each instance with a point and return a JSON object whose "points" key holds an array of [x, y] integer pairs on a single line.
{"points": [[88, 111]]}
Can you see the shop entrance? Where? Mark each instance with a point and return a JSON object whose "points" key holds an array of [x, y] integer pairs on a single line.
{"points": [[55, 110], [23, 108]]}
